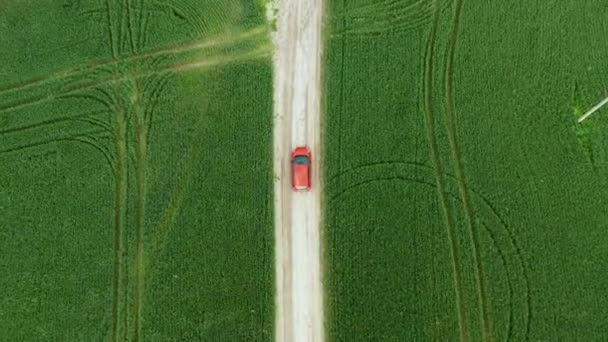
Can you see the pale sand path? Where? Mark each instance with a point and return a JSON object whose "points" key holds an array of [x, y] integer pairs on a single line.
{"points": [[297, 62]]}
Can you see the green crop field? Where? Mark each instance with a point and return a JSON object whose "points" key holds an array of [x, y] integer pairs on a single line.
{"points": [[463, 200], [135, 171]]}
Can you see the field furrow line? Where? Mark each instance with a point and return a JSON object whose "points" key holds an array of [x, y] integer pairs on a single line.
{"points": [[94, 143], [50, 141], [107, 105], [141, 24], [96, 122], [48, 123], [386, 7], [188, 12], [154, 97], [145, 26], [341, 82], [351, 187], [438, 174], [140, 201], [130, 31], [108, 11], [518, 256], [120, 197], [398, 13], [509, 280], [450, 105], [120, 281], [123, 32]]}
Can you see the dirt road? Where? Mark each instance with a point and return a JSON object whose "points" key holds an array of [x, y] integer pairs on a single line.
{"points": [[297, 215]]}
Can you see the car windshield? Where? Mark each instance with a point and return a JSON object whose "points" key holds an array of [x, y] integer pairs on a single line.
{"points": [[301, 160]]}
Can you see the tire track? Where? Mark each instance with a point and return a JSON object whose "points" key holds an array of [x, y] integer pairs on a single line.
{"points": [[509, 281], [155, 93], [520, 259], [389, 17], [129, 22], [141, 25], [370, 170], [384, 6], [144, 36], [94, 98], [511, 295], [21, 129], [92, 141], [98, 123], [188, 13], [120, 197], [119, 267], [450, 106], [341, 101], [123, 32], [379, 179], [110, 30], [140, 202], [261, 52], [48, 141], [107, 64], [379, 163], [160, 235], [438, 172]]}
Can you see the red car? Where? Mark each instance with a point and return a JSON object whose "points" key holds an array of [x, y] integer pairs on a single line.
{"points": [[300, 169]]}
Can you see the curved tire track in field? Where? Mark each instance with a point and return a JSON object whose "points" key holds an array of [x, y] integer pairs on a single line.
{"points": [[389, 16], [129, 22], [438, 174], [93, 142], [503, 261], [516, 270], [451, 126], [66, 137], [49, 122], [340, 111], [111, 34], [189, 13], [155, 91], [89, 97], [519, 255], [90, 139]]}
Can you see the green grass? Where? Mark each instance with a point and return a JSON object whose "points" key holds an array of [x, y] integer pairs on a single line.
{"points": [[463, 199], [135, 171]]}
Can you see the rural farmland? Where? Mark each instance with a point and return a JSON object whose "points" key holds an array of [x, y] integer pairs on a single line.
{"points": [[135, 171], [463, 201], [303, 170]]}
